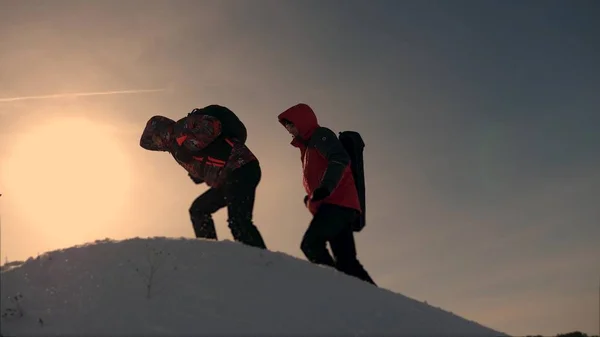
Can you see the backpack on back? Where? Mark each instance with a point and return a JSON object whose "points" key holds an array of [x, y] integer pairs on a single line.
{"points": [[232, 125], [354, 145]]}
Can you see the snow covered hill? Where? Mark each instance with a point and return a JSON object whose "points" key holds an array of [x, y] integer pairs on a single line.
{"points": [[162, 287]]}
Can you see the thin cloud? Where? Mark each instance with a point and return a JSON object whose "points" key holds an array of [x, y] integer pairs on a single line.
{"points": [[79, 94]]}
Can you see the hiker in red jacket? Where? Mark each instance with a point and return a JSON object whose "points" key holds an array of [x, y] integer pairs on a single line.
{"points": [[199, 143], [331, 197]]}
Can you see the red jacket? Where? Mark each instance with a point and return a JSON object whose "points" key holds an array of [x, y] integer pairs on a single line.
{"points": [[195, 144], [324, 159]]}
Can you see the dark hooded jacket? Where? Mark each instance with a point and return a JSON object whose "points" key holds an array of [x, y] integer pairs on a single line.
{"points": [[325, 162], [195, 144]]}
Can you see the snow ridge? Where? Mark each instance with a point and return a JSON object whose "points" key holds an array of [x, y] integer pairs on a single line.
{"points": [[169, 286]]}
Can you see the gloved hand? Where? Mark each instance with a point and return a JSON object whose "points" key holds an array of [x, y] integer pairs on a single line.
{"points": [[320, 193], [195, 180]]}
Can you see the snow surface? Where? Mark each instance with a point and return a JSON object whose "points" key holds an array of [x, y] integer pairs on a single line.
{"points": [[204, 287]]}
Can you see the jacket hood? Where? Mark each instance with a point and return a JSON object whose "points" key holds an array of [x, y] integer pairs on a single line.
{"points": [[157, 133], [303, 117]]}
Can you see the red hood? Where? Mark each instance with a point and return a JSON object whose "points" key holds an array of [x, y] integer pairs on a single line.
{"points": [[303, 117]]}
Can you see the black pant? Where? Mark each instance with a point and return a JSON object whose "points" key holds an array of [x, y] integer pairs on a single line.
{"points": [[238, 195], [332, 224]]}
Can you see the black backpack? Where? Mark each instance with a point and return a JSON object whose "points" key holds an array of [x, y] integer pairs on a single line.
{"points": [[232, 125], [354, 145]]}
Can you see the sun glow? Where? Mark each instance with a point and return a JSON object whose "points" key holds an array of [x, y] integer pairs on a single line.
{"points": [[68, 176]]}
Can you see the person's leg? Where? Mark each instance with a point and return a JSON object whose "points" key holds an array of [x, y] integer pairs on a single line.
{"points": [[201, 213], [240, 192], [326, 224], [343, 248]]}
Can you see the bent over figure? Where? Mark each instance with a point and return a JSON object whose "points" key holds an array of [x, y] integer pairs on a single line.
{"points": [[207, 149]]}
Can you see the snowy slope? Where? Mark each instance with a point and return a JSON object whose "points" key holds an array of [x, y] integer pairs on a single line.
{"points": [[207, 288]]}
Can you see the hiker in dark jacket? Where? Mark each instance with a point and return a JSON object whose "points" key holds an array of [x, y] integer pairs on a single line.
{"points": [[331, 194], [226, 165]]}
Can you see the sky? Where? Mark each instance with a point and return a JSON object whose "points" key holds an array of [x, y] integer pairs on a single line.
{"points": [[480, 120]]}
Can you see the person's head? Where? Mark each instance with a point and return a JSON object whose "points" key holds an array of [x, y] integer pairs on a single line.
{"points": [[157, 134], [290, 127], [299, 120]]}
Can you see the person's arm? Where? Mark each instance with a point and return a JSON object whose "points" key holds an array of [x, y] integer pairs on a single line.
{"points": [[326, 142], [197, 181]]}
